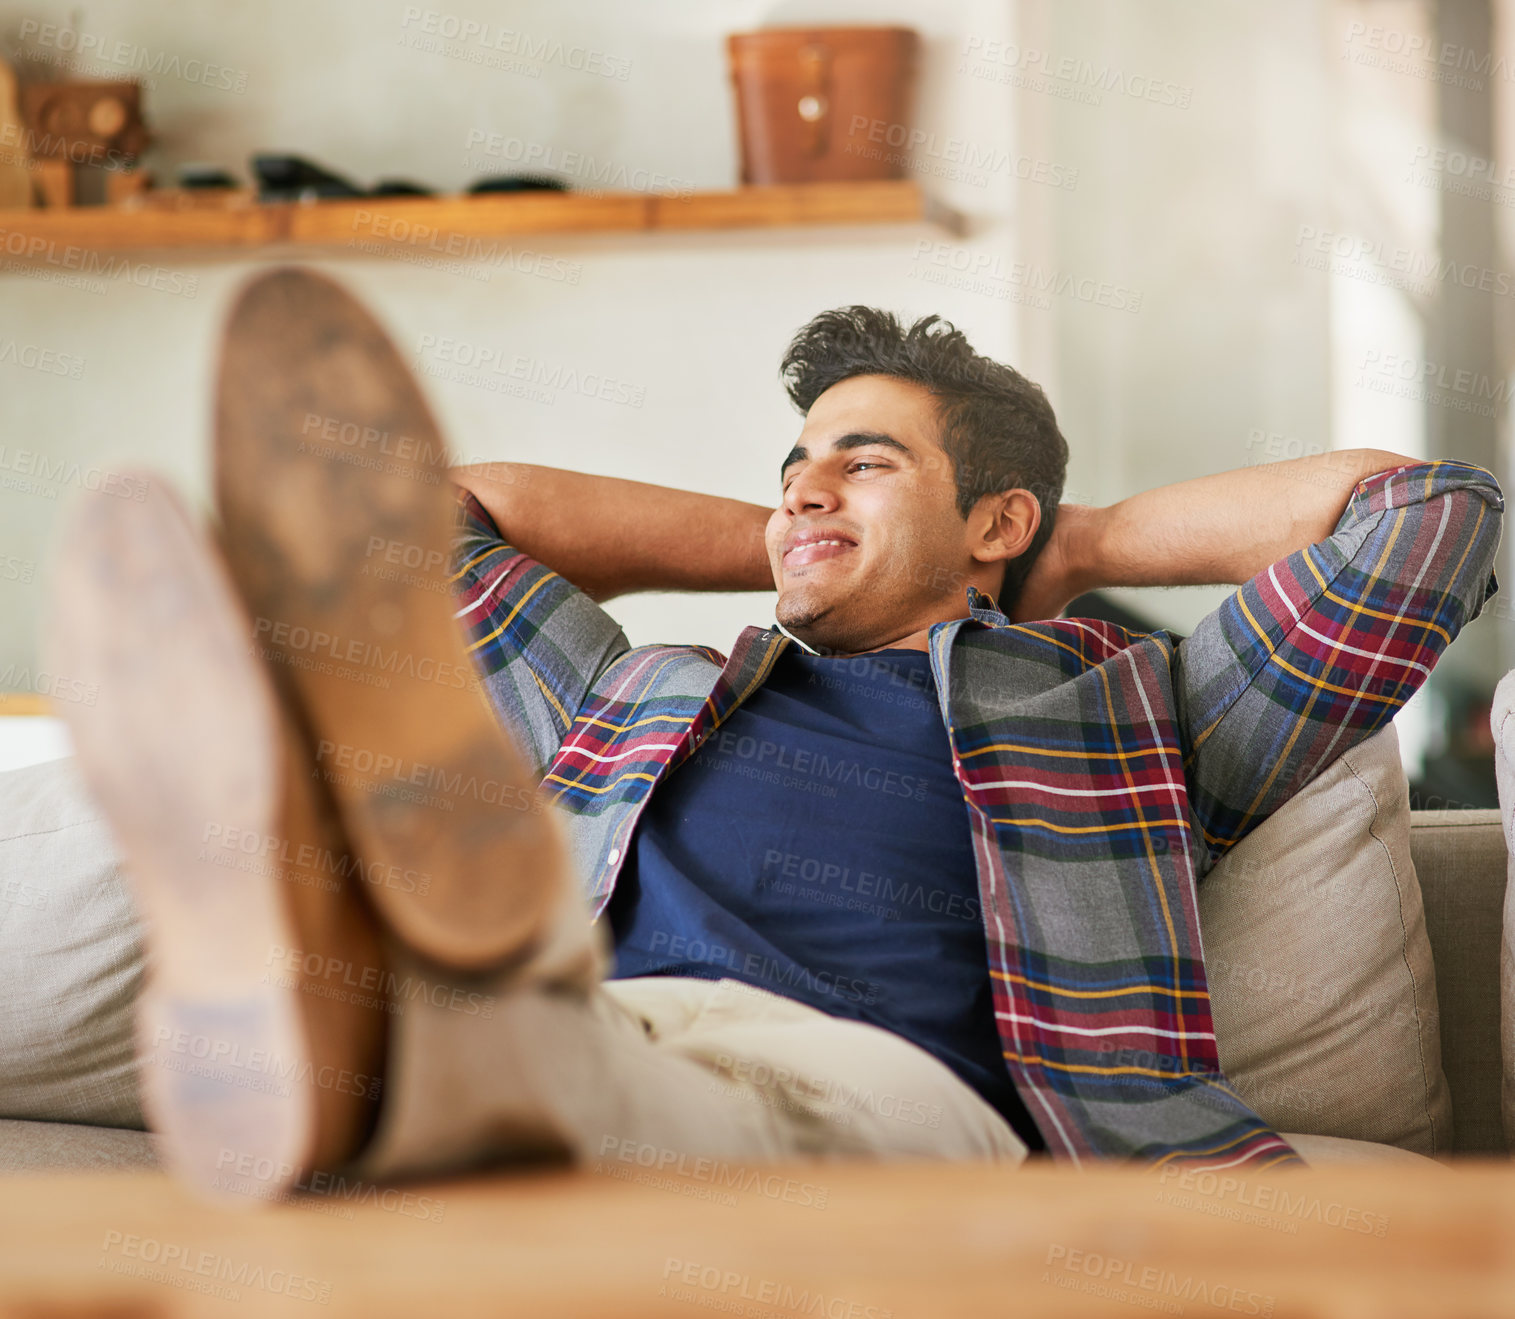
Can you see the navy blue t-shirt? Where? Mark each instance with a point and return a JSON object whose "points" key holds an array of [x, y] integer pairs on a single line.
{"points": [[817, 845]]}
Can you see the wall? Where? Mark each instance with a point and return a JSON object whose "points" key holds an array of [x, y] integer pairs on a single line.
{"points": [[1197, 134], [1138, 181], [693, 326], [1228, 155]]}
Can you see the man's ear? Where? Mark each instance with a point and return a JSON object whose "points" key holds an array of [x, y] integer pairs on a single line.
{"points": [[1004, 525]]}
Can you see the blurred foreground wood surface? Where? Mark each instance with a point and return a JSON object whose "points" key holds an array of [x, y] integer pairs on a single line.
{"points": [[840, 1240]]}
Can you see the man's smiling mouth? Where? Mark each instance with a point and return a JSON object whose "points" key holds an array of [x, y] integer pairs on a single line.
{"points": [[805, 545], [816, 551]]}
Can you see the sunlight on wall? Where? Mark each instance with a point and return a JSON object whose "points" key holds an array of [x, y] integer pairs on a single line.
{"points": [[1378, 370]]}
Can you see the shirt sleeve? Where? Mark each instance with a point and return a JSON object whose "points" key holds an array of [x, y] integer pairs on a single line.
{"points": [[537, 641], [1318, 651]]}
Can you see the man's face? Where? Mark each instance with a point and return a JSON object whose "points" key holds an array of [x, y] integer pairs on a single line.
{"points": [[869, 472]]}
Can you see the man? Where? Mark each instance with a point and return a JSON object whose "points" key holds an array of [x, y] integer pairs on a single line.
{"points": [[910, 874]]}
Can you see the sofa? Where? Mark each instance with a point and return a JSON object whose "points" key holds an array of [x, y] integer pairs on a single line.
{"points": [[1344, 888], [1461, 861]]}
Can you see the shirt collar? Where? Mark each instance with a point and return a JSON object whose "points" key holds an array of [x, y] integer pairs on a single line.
{"points": [[982, 607]]}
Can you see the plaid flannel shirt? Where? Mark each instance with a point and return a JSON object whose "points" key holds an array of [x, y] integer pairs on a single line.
{"points": [[1105, 771]]}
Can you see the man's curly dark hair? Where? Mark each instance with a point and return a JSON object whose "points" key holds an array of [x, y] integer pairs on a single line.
{"points": [[998, 429]]}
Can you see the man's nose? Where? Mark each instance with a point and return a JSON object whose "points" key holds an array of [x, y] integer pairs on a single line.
{"points": [[809, 490]]}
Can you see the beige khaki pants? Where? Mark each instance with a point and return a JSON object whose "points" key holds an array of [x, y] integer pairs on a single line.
{"points": [[652, 1072]]}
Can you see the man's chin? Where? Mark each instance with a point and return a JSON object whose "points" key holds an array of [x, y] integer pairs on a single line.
{"points": [[813, 621], [802, 611]]}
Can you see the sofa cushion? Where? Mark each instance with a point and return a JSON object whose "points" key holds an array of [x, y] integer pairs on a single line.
{"points": [[1321, 979], [72, 962], [33, 1146], [1335, 1149]]}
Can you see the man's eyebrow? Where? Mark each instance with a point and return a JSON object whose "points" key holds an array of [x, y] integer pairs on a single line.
{"points": [[851, 440]]}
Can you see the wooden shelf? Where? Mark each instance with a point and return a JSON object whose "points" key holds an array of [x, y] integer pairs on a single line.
{"points": [[24, 703], [450, 227]]}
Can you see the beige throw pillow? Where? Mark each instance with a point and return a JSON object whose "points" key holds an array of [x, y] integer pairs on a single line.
{"points": [[1320, 971]]}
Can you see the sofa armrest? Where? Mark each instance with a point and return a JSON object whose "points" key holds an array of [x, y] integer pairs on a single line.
{"points": [[1460, 860]]}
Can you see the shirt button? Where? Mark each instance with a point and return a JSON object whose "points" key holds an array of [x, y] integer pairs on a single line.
{"points": [[615, 855]]}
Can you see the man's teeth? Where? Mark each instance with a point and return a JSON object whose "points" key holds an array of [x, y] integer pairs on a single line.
{"points": [[809, 543]]}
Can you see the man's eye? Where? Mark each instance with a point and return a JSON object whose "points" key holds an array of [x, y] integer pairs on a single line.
{"points": [[853, 467]]}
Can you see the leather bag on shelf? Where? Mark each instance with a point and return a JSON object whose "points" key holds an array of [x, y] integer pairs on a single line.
{"points": [[823, 103]]}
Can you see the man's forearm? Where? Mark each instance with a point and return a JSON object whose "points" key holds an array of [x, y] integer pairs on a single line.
{"points": [[1217, 530], [610, 536]]}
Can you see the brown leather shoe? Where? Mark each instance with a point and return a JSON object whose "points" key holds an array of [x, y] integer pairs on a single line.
{"points": [[327, 459], [261, 1058]]}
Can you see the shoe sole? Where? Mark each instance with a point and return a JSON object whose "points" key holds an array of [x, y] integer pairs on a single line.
{"points": [[327, 463], [198, 774]]}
